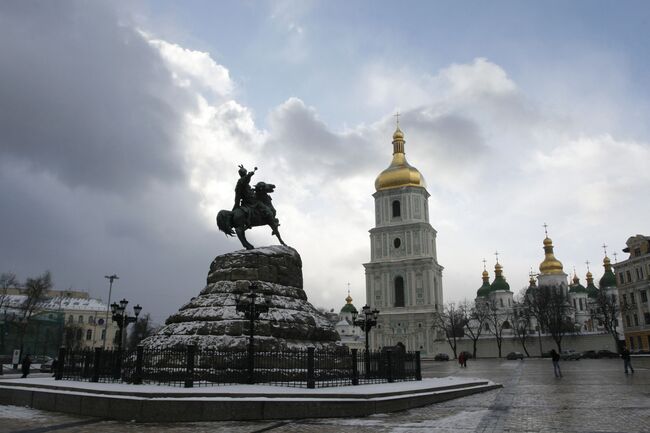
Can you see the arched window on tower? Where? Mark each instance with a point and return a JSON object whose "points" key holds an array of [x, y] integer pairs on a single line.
{"points": [[399, 292], [397, 209]]}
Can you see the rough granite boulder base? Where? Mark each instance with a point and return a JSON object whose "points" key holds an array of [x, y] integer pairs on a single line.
{"points": [[210, 320]]}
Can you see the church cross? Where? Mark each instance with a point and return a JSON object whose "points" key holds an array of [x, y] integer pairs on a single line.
{"points": [[545, 229], [348, 289], [484, 268], [587, 263], [615, 254], [605, 248], [496, 253], [397, 118]]}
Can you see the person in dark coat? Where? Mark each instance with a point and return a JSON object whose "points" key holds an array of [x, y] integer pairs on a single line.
{"points": [[627, 362], [27, 362], [556, 363], [461, 359]]}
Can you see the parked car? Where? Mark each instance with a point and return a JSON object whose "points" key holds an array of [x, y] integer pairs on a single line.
{"points": [[570, 355], [46, 367], [590, 354], [441, 357], [515, 355], [608, 354]]}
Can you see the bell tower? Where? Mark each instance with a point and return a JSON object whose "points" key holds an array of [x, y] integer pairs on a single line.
{"points": [[403, 277]]}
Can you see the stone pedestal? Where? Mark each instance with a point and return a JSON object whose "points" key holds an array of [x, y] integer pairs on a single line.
{"points": [[210, 320]]}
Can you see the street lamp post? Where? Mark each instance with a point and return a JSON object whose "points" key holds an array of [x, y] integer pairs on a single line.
{"points": [[122, 318], [251, 311], [366, 322], [110, 278]]}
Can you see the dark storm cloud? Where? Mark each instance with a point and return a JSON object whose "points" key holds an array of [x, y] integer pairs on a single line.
{"points": [[85, 97]]}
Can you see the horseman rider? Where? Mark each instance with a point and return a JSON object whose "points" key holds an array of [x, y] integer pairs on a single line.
{"points": [[245, 197]]}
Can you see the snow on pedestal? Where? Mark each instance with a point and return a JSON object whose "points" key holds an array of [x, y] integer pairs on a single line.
{"points": [[210, 320]]}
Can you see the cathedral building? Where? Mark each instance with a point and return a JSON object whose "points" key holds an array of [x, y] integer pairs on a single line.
{"points": [[403, 277]]}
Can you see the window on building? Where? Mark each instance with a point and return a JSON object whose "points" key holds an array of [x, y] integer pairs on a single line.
{"points": [[397, 242], [638, 274], [639, 343], [100, 321], [501, 302], [637, 252], [487, 326], [70, 318], [91, 320], [644, 296], [621, 279], [646, 317], [636, 320], [628, 321], [614, 299], [574, 304], [79, 334], [631, 343], [509, 303], [397, 209], [103, 334], [399, 292], [581, 306], [624, 299], [629, 276], [80, 319], [89, 334], [641, 273], [632, 299]]}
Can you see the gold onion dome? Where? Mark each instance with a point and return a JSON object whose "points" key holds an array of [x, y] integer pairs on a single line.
{"points": [[399, 173], [550, 265]]}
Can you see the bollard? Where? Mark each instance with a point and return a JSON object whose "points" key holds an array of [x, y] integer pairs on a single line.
{"points": [[418, 367], [139, 353], [189, 372], [97, 361], [58, 375], [389, 361], [355, 367], [311, 382]]}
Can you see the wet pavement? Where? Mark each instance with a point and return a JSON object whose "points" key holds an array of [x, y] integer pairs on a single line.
{"points": [[593, 396]]}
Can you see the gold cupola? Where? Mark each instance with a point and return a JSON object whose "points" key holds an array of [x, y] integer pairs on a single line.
{"points": [[399, 173], [550, 265]]}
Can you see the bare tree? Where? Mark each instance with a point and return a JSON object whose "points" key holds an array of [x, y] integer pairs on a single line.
{"points": [[8, 281], [474, 317], [550, 306], [498, 319], [451, 322], [35, 291], [605, 310], [73, 336], [142, 328], [521, 325]]}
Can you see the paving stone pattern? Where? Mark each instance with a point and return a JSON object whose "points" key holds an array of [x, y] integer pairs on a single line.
{"points": [[593, 396]]}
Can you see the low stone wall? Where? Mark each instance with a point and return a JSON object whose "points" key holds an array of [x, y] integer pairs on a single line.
{"points": [[487, 347]]}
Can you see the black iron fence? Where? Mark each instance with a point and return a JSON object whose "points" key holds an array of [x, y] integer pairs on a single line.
{"points": [[192, 366]]}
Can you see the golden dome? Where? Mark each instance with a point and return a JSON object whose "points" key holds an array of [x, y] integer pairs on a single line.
{"points": [[399, 173], [550, 265], [486, 275], [348, 299]]}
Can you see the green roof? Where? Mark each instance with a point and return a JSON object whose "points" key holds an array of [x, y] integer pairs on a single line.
{"points": [[499, 283], [577, 288], [608, 280], [348, 308], [483, 290], [592, 291]]}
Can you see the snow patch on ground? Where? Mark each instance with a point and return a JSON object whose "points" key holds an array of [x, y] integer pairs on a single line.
{"points": [[19, 412]]}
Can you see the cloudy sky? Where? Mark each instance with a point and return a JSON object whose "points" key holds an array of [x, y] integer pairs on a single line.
{"points": [[122, 125]]}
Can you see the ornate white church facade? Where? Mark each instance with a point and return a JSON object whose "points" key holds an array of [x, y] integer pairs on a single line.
{"points": [[403, 277]]}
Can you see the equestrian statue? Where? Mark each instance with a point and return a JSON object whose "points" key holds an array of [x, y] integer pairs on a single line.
{"points": [[252, 208]]}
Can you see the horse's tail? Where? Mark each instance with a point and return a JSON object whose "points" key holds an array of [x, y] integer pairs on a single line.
{"points": [[224, 222]]}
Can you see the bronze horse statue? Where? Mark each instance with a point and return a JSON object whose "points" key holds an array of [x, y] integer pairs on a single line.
{"points": [[257, 211]]}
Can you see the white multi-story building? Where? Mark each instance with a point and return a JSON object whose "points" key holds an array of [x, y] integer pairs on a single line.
{"points": [[403, 277]]}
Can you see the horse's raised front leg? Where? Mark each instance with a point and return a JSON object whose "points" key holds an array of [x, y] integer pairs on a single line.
{"points": [[242, 238]]}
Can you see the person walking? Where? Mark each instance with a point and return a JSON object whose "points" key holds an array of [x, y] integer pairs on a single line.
{"points": [[556, 363], [465, 356], [627, 362], [461, 358], [27, 362]]}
